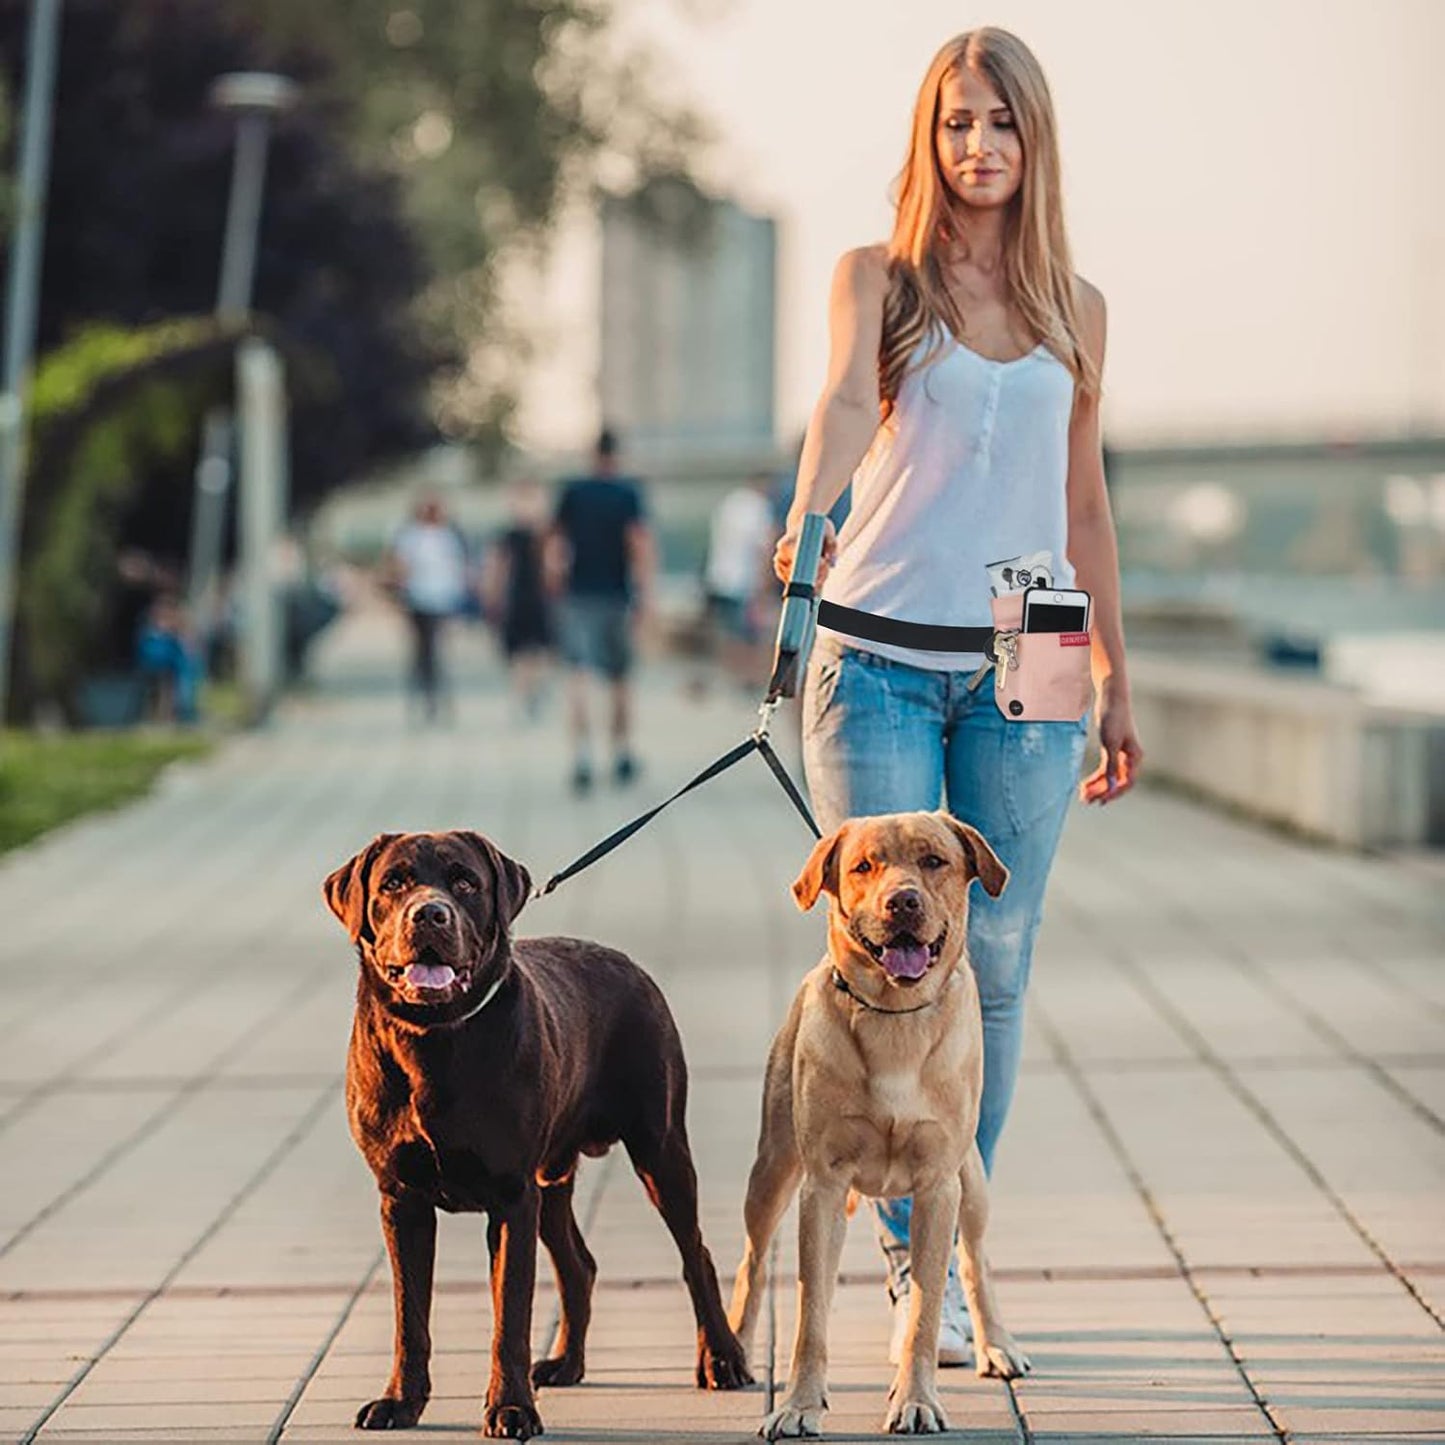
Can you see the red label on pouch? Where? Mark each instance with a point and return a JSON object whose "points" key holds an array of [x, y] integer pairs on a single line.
{"points": [[1073, 639]]}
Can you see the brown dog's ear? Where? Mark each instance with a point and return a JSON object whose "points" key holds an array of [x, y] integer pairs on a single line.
{"points": [[514, 883], [346, 889], [982, 859], [820, 872]]}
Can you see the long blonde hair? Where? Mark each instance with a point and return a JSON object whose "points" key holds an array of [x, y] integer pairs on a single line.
{"points": [[918, 307]]}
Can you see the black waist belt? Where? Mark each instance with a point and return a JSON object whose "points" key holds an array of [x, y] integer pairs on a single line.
{"points": [[926, 636]]}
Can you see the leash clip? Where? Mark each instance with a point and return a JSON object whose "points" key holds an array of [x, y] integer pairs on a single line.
{"points": [[766, 709]]}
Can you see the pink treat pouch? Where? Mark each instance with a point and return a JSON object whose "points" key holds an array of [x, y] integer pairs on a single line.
{"points": [[1040, 676]]}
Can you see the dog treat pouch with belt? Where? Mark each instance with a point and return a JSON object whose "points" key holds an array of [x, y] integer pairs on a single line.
{"points": [[1038, 676]]}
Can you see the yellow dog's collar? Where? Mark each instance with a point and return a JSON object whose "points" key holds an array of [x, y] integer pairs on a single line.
{"points": [[841, 984]]}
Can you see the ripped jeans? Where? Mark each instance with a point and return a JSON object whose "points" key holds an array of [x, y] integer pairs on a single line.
{"points": [[882, 737]]}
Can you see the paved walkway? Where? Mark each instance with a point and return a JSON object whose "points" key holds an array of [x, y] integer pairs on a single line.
{"points": [[1218, 1210]]}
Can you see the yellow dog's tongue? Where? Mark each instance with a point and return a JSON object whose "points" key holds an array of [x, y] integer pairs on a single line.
{"points": [[909, 962], [430, 975]]}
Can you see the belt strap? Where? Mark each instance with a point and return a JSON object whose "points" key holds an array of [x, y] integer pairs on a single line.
{"points": [[926, 636]]}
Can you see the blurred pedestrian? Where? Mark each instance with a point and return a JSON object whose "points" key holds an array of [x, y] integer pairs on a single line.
{"points": [[427, 568], [739, 556], [602, 561], [168, 658], [514, 592]]}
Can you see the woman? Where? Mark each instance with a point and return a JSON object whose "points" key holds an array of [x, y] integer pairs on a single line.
{"points": [[962, 400]]}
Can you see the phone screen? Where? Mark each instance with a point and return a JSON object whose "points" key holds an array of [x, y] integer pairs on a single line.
{"points": [[1055, 617]]}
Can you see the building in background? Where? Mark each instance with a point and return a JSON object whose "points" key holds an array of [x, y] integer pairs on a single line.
{"points": [[687, 368]]}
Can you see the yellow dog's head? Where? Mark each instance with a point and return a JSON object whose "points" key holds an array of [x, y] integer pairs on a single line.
{"points": [[898, 892]]}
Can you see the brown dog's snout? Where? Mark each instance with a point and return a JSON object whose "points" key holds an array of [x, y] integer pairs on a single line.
{"points": [[433, 914], [906, 903]]}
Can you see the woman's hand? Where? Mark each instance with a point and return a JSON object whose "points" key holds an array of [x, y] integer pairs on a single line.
{"points": [[1122, 756], [788, 545]]}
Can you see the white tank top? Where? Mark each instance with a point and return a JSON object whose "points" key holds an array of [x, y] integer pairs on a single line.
{"points": [[971, 469]]}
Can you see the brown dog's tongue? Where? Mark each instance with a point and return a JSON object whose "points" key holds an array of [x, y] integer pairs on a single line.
{"points": [[909, 962], [430, 975]]}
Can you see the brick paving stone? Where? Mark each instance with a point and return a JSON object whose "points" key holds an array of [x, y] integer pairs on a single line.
{"points": [[1387, 1435], [1240, 1423]]}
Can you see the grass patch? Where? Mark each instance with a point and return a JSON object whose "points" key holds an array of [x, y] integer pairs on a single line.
{"points": [[46, 781]]}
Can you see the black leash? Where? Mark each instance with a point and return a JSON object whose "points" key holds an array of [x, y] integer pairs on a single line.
{"points": [[756, 743]]}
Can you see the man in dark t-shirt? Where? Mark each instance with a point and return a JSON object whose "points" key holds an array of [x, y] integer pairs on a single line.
{"points": [[603, 554]]}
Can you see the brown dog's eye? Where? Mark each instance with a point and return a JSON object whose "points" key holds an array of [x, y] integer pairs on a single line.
{"points": [[934, 861], [464, 883], [863, 866], [392, 883]]}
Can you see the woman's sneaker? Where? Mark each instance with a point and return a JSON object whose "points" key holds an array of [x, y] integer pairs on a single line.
{"points": [[955, 1329]]}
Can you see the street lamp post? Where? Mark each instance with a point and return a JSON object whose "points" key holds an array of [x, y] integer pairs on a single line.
{"points": [[21, 302], [255, 97]]}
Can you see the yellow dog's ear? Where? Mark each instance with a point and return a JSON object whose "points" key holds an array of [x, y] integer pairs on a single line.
{"points": [[348, 889], [820, 872], [981, 858]]}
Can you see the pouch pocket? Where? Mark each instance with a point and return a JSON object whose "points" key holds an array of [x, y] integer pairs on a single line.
{"points": [[1039, 676]]}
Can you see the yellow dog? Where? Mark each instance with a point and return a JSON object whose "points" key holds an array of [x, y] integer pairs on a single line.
{"points": [[873, 1085]]}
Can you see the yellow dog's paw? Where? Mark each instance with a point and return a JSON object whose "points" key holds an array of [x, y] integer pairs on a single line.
{"points": [[1000, 1356], [915, 1417], [793, 1422]]}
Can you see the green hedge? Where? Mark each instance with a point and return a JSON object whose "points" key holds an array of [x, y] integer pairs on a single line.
{"points": [[107, 406]]}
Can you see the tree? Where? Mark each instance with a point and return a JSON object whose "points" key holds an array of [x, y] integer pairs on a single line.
{"points": [[434, 137], [136, 206], [135, 209], [488, 112]]}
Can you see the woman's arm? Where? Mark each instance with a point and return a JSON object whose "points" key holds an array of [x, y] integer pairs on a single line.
{"points": [[1094, 552], [845, 418]]}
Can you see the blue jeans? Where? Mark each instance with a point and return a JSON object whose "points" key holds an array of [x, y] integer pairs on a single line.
{"points": [[882, 737]]}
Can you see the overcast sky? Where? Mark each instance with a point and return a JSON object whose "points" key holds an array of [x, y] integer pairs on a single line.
{"points": [[1256, 186]]}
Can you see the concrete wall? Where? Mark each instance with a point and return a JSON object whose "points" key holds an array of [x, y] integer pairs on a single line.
{"points": [[1293, 751]]}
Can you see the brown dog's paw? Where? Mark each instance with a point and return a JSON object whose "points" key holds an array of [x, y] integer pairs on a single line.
{"points": [[725, 1369], [388, 1413], [559, 1370], [511, 1422]]}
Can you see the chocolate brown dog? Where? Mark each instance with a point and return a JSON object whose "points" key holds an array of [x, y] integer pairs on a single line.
{"points": [[479, 1070]]}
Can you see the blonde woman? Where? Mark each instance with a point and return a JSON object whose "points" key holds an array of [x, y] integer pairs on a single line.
{"points": [[962, 401]]}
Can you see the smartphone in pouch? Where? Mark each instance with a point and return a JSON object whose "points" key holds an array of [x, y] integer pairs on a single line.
{"points": [[1052, 609]]}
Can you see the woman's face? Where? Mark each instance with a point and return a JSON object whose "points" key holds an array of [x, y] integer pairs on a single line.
{"points": [[979, 151]]}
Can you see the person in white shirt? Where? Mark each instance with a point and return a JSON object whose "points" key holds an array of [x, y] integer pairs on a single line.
{"points": [[427, 566], [740, 545]]}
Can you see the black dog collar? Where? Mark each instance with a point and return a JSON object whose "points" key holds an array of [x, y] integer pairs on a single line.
{"points": [[841, 984]]}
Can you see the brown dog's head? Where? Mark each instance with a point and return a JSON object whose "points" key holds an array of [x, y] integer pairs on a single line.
{"points": [[429, 912], [898, 887]]}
